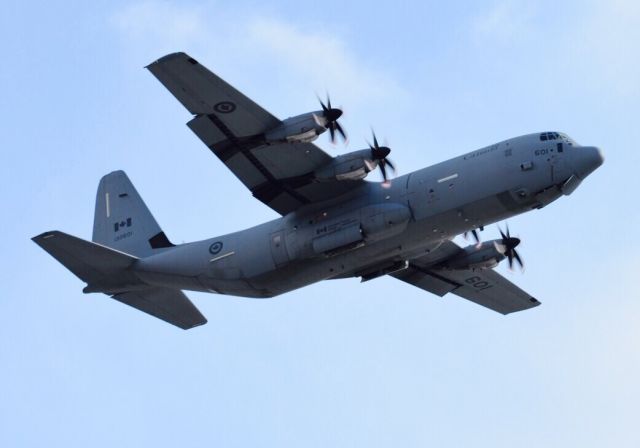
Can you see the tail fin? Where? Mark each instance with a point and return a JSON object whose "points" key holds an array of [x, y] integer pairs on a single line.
{"points": [[123, 221], [107, 270]]}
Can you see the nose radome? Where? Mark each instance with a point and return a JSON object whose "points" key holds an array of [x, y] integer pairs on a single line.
{"points": [[588, 159]]}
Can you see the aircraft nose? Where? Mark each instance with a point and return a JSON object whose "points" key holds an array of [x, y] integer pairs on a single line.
{"points": [[588, 159]]}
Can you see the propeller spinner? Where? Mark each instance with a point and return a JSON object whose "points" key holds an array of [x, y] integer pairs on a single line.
{"points": [[508, 246], [330, 116], [379, 157]]}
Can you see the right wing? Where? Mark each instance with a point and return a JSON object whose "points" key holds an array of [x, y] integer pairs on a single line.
{"points": [[233, 126], [485, 287]]}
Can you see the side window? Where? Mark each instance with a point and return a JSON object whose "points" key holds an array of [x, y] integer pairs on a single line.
{"points": [[559, 147]]}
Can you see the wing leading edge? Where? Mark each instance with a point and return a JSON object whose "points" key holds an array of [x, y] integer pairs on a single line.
{"points": [[281, 175], [485, 287]]}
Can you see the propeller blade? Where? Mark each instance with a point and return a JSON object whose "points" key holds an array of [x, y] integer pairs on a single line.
{"points": [[324, 108], [518, 259], [341, 131], [383, 168], [476, 236], [388, 162]]}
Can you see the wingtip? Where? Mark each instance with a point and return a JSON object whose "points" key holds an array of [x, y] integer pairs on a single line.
{"points": [[168, 57], [535, 301], [45, 235], [197, 324]]}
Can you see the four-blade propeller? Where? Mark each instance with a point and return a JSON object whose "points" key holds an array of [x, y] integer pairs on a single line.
{"points": [[331, 116], [508, 246]]}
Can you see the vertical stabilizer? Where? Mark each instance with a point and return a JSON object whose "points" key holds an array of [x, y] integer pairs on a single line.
{"points": [[122, 221]]}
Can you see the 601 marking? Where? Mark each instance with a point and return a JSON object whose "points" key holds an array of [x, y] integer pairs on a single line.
{"points": [[478, 283]]}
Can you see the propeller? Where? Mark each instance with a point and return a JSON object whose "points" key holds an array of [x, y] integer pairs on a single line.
{"points": [[475, 233], [379, 157], [331, 116], [509, 243]]}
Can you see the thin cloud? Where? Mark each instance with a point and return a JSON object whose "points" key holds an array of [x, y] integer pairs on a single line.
{"points": [[302, 59], [504, 22], [325, 60], [601, 42], [152, 23], [606, 44]]}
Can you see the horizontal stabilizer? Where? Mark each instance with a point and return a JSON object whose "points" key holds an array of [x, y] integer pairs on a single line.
{"points": [[170, 305], [91, 262], [107, 270]]}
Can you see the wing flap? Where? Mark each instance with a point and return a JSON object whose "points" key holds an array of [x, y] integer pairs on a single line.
{"points": [[212, 136], [425, 280]]}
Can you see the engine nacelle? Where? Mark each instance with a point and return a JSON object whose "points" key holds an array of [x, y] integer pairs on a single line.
{"points": [[485, 256], [352, 166], [299, 129]]}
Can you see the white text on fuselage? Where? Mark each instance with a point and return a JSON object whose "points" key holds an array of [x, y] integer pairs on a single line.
{"points": [[481, 152]]}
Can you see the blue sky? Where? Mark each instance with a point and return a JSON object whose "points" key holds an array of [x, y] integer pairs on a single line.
{"points": [[337, 363]]}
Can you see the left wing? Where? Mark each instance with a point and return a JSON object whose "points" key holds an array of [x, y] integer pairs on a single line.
{"points": [[483, 286], [233, 126]]}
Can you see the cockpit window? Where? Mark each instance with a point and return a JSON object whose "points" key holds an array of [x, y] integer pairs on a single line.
{"points": [[568, 140], [549, 136]]}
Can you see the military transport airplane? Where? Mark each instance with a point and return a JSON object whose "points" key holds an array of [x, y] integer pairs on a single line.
{"points": [[334, 224]]}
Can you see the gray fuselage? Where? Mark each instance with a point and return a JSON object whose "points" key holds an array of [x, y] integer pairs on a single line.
{"points": [[375, 226]]}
